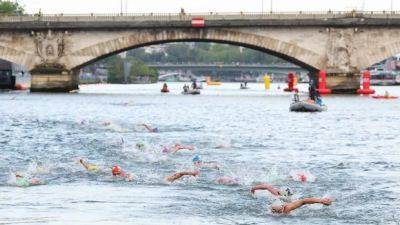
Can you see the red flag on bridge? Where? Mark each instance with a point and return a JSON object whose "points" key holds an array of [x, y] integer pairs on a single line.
{"points": [[198, 22]]}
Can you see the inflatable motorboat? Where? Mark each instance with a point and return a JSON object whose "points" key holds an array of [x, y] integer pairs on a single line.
{"points": [[384, 97], [191, 92], [306, 106]]}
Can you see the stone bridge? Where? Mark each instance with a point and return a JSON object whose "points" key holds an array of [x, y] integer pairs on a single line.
{"points": [[54, 47]]}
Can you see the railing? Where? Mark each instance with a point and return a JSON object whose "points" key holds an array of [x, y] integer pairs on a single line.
{"points": [[206, 16]]}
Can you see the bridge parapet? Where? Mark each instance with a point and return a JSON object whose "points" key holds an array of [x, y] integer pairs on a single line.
{"points": [[307, 15]]}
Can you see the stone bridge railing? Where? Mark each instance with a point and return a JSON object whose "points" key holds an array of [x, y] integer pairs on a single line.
{"points": [[206, 16]]}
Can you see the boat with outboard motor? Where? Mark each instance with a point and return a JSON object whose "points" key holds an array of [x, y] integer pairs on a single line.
{"points": [[308, 105], [191, 92]]}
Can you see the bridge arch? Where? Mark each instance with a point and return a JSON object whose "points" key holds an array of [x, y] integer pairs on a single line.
{"points": [[288, 51], [21, 58], [378, 54]]}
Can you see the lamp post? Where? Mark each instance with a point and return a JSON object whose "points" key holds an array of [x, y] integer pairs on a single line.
{"points": [[391, 5], [262, 6], [271, 5]]}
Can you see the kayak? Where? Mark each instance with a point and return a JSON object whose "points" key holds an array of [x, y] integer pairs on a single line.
{"points": [[303, 106], [191, 92], [384, 97]]}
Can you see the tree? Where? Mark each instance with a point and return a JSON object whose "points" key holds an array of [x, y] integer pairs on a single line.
{"points": [[139, 69], [116, 69], [10, 8]]}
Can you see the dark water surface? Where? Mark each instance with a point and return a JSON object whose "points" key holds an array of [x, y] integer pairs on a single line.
{"points": [[353, 150]]}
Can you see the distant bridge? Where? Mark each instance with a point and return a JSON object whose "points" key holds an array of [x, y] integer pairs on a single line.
{"points": [[270, 68]]}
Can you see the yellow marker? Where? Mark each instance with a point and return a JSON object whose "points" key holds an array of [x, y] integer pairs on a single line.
{"points": [[267, 82]]}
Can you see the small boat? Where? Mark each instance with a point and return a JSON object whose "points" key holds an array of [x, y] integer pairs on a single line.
{"points": [[164, 90], [191, 92], [306, 106], [244, 87], [384, 97]]}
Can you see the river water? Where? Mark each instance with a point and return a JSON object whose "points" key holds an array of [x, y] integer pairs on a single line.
{"points": [[352, 150]]}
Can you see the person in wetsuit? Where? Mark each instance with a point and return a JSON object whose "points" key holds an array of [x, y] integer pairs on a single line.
{"points": [[312, 90]]}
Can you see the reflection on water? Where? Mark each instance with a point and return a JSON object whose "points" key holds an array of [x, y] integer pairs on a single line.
{"points": [[352, 150]]}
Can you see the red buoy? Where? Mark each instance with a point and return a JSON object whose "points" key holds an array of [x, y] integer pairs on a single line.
{"points": [[366, 84], [290, 81], [322, 83], [21, 87]]}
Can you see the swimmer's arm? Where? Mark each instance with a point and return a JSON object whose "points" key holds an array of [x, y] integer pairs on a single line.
{"points": [[147, 127], [306, 201], [267, 187], [84, 164], [177, 176]]}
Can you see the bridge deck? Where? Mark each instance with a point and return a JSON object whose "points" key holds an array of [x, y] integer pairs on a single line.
{"points": [[213, 19]]}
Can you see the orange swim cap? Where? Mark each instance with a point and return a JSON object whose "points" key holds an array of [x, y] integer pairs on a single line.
{"points": [[116, 170]]}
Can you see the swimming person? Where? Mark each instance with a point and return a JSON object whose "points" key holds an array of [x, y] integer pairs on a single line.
{"points": [[23, 181], [285, 193], [177, 147], [150, 129], [179, 175], [197, 162], [140, 145], [286, 208], [118, 172], [89, 166], [227, 181]]}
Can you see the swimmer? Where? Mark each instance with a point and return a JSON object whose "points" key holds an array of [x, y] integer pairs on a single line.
{"points": [[177, 147], [140, 145], [88, 166], [302, 176], [106, 123], [179, 175], [227, 181], [150, 129], [286, 208], [118, 172], [285, 193], [197, 162], [23, 181]]}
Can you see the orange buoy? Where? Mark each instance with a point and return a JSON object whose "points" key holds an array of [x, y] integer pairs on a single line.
{"points": [[366, 84], [322, 83]]}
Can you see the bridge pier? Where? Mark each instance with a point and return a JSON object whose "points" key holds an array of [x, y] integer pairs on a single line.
{"points": [[54, 80], [343, 83]]}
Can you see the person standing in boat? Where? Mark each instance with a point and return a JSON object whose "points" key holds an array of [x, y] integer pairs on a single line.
{"points": [[312, 90], [194, 85]]}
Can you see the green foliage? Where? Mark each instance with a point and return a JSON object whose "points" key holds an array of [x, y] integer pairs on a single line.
{"points": [[115, 70], [10, 8], [139, 69]]}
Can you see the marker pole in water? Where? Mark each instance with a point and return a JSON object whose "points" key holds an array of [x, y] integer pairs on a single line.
{"points": [[267, 82], [366, 83], [290, 81], [322, 83]]}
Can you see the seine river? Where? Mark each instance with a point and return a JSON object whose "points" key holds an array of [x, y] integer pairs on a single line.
{"points": [[352, 150]]}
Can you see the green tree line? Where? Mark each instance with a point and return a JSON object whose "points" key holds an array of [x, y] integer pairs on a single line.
{"points": [[11, 8], [138, 70], [202, 52]]}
